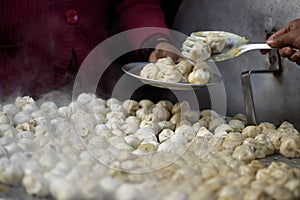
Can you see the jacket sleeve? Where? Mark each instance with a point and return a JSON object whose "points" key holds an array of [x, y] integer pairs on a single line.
{"points": [[143, 13]]}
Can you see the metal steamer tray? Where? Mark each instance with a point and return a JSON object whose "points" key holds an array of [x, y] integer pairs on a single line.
{"points": [[134, 69]]}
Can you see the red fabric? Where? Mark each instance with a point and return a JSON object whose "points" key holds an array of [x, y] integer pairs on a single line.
{"points": [[137, 13], [37, 37]]}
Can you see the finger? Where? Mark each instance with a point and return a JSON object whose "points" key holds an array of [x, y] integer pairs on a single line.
{"points": [[167, 47], [282, 31], [295, 57], [282, 40], [293, 25], [152, 57], [159, 53], [288, 39], [286, 52], [277, 34], [289, 35]]}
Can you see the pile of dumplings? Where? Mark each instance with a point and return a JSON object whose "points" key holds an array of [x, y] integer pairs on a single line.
{"points": [[167, 71], [200, 50], [110, 149]]}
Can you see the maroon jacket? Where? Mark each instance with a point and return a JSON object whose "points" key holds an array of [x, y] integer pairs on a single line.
{"points": [[37, 37]]}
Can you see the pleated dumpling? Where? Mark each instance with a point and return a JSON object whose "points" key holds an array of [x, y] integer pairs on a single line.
{"points": [[168, 75], [167, 62], [184, 67], [201, 74], [216, 42], [200, 51], [149, 71]]}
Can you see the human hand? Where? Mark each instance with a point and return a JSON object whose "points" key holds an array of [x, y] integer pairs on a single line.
{"points": [[287, 40], [165, 49]]}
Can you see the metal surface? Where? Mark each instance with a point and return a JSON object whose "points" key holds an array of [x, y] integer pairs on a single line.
{"points": [[248, 95], [18, 193], [133, 69], [275, 70], [276, 98], [295, 162]]}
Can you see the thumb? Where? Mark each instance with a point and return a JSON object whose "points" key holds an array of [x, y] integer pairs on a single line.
{"points": [[290, 38], [152, 57], [280, 41]]}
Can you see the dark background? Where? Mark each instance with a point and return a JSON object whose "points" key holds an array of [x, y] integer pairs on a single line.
{"points": [[114, 71]]}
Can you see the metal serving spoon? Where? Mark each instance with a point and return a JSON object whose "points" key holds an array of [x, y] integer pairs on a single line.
{"points": [[235, 45]]}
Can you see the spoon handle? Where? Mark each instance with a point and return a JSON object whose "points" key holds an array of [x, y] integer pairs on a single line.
{"points": [[253, 46]]}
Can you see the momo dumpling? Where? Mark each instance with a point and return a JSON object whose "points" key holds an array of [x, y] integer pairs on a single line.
{"points": [[141, 113], [222, 130], [266, 127], [236, 125], [166, 104], [199, 76], [182, 107], [232, 140], [153, 125], [187, 131], [290, 147], [201, 73], [189, 42], [176, 118], [202, 65], [183, 122], [166, 61], [241, 117], [231, 192], [161, 112], [165, 135], [213, 124], [216, 42], [132, 120], [200, 51], [191, 116], [251, 131], [204, 121], [203, 132], [209, 113], [266, 143], [257, 147], [168, 75], [285, 125], [184, 67], [3, 118], [131, 106], [145, 103], [166, 125], [149, 71], [244, 153]]}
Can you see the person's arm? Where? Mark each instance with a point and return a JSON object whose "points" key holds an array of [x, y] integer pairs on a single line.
{"points": [[146, 13], [287, 40]]}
